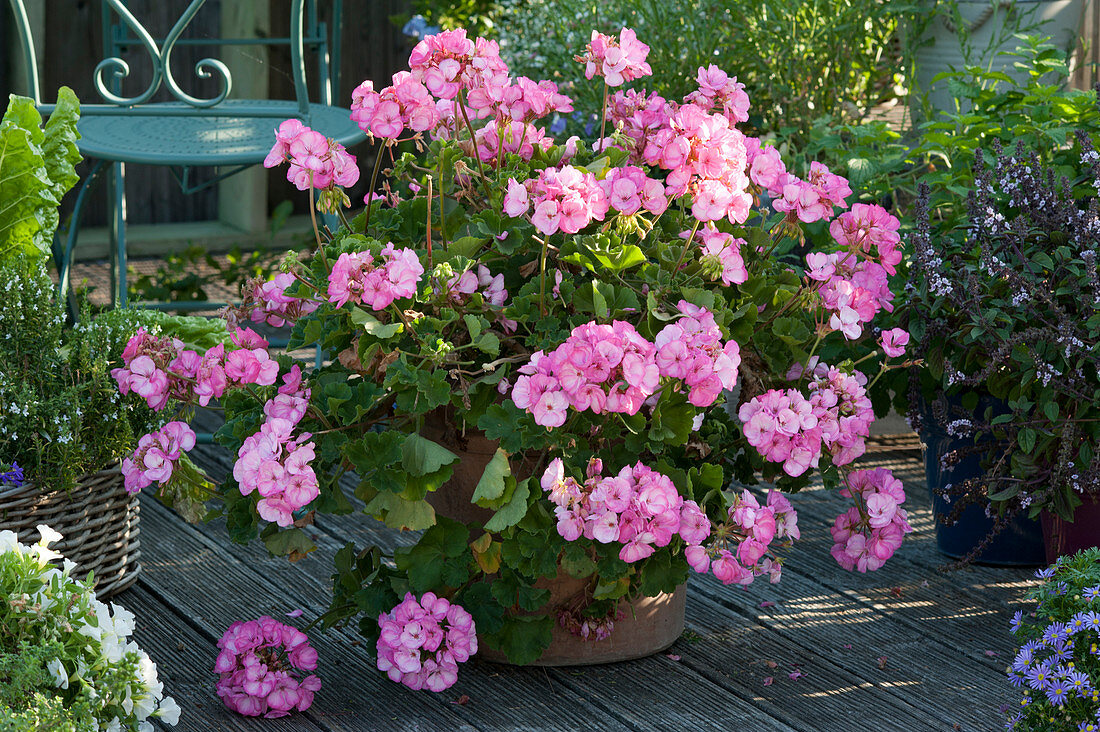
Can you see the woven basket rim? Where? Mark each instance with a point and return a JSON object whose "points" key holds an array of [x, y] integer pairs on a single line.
{"points": [[28, 487]]}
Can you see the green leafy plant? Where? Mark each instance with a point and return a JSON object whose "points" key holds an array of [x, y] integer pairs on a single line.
{"points": [[1007, 304], [37, 168], [824, 57]]}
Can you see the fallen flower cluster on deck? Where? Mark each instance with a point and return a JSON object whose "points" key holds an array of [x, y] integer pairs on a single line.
{"points": [[1058, 664], [662, 312], [259, 665], [66, 658]]}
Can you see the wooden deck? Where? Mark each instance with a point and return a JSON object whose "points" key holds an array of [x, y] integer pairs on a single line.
{"points": [[905, 648]]}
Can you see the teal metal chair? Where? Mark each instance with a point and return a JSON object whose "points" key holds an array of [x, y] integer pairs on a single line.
{"points": [[188, 133]]}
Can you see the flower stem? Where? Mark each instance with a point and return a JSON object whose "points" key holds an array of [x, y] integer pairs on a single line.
{"points": [[542, 277], [428, 223], [603, 113], [373, 181], [442, 214], [684, 252], [473, 143], [313, 220]]}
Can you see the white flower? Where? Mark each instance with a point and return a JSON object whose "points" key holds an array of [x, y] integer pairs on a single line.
{"points": [[124, 619], [114, 726], [57, 670], [169, 711], [9, 541], [49, 536]]}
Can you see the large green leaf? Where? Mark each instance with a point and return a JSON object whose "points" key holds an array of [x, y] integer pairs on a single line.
{"points": [[420, 456], [37, 168], [398, 513], [492, 487]]}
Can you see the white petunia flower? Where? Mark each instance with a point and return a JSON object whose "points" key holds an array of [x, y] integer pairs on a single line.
{"points": [[57, 671]]}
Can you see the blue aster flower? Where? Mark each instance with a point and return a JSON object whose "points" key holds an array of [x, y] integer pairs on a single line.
{"points": [[1057, 691], [1017, 621], [1039, 676]]}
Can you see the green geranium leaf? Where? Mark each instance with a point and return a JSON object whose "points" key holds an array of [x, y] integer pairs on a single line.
{"points": [[514, 511], [438, 558], [576, 562], [288, 542], [421, 456], [373, 326], [522, 638], [493, 484], [399, 513]]}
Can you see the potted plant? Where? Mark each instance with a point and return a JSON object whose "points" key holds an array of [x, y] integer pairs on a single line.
{"points": [[68, 660], [1057, 667], [534, 351], [1005, 310]]}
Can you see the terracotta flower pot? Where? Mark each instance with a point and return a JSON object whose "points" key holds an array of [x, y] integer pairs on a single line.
{"points": [[1063, 537], [646, 626]]}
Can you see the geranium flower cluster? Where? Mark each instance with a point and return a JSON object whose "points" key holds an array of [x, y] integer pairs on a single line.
{"points": [[449, 62], [639, 116], [405, 103], [741, 551], [691, 349], [787, 427], [783, 428], [261, 665], [268, 302], [706, 157], [855, 282], [639, 508], [599, 367], [459, 287], [274, 461], [509, 136], [843, 410], [315, 161], [717, 89], [871, 531], [629, 190], [813, 199], [422, 642], [565, 199], [363, 279], [161, 368], [720, 255], [524, 100], [156, 456], [617, 61]]}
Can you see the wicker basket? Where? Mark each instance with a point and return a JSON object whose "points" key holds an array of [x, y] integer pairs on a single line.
{"points": [[98, 521]]}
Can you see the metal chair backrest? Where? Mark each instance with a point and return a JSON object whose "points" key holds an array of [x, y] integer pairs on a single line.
{"points": [[305, 30]]}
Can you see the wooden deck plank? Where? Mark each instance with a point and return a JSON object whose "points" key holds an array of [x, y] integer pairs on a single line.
{"points": [[492, 690], [933, 629]]}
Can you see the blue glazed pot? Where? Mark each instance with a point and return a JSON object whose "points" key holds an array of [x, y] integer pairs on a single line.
{"points": [[1018, 544]]}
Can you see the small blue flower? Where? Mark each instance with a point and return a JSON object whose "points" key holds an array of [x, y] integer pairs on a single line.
{"points": [[1091, 593], [1017, 621], [13, 477], [558, 125], [1044, 574]]}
